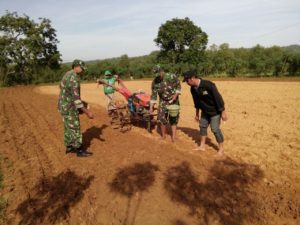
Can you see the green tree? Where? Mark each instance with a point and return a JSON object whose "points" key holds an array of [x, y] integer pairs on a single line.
{"points": [[26, 48], [241, 57], [294, 64], [223, 58], [257, 60], [124, 61], [276, 60], [123, 65], [180, 41]]}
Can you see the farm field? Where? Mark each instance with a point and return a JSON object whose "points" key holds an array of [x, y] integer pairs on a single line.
{"points": [[135, 178]]}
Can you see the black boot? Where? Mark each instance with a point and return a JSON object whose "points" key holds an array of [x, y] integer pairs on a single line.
{"points": [[83, 153], [70, 149]]}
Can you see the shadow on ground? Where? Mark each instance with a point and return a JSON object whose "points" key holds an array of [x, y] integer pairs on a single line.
{"points": [[225, 197], [132, 182], [142, 123], [91, 133], [179, 222], [195, 135], [52, 198]]}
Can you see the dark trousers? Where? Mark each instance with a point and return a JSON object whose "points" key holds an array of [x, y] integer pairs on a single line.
{"points": [[214, 122]]}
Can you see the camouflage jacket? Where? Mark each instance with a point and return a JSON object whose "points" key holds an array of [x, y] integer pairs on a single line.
{"points": [[165, 88], [69, 97]]}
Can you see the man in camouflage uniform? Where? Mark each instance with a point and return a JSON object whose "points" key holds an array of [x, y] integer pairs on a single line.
{"points": [[69, 105], [167, 87]]}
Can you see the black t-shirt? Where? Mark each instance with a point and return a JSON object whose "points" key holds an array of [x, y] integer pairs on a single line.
{"points": [[207, 98]]}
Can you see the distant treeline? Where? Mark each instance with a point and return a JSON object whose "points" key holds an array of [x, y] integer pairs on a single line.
{"points": [[217, 61], [29, 54]]}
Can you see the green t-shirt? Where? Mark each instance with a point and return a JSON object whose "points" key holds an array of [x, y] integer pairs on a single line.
{"points": [[111, 81]]}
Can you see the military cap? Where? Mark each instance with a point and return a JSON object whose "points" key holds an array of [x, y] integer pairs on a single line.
{"points": [[157, 68], [78, 62], [107, 73]]}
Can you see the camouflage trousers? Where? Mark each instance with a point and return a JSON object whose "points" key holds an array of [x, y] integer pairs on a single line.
{"points": [[163, 116], [72, 134]]}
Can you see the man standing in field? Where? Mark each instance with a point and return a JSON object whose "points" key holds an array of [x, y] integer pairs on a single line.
{"points": [[207, 98], [69, 105], [168, 88], [109, 91]]}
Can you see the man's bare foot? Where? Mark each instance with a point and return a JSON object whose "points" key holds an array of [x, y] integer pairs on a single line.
{"points": [[173, 139], [220, 152], [200, 148], [163, 138]]}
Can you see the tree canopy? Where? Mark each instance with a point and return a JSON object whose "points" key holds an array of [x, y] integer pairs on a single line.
{"points": [[181, 42], [26, 47]]}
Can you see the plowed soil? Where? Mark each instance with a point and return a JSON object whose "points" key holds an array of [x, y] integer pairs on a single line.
{"points": [[135, 178]]}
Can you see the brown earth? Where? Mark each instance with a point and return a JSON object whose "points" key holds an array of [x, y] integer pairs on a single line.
{"points": [[134, 178]]}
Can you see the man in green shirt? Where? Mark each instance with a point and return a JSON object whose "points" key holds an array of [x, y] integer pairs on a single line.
{"points": [[109, 91], [69, 105]]}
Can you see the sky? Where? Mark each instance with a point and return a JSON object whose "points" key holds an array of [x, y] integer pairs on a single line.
{"points": [[97, 29]]}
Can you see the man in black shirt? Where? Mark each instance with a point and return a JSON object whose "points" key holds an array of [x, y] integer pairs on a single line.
{"points": [[207, 98]]}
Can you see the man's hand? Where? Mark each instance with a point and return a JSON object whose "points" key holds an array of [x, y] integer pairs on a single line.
{"points": [[151, 110], [87, 112], [174, 98], [90, 115], [197, 115], [99, 81], [224, 116]]}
